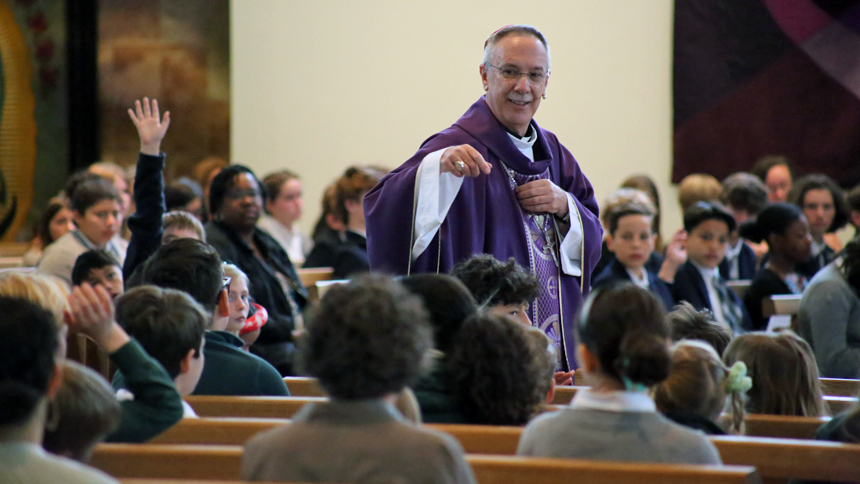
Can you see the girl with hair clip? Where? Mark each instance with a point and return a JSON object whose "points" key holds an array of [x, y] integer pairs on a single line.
{"points": [[699, 386], [786, 231], [784, 374], [623, 349]]}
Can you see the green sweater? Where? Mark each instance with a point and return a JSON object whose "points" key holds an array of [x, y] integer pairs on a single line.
{"points": [[156, 406]]}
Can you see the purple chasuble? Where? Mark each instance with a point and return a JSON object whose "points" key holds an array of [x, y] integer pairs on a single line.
{"points": [[486, 217]]}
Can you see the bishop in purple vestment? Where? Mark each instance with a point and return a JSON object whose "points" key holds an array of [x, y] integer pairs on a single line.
{"points": [[497, 183]]}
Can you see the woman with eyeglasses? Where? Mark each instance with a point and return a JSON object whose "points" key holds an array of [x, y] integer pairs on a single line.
{"points": [[236, 202]]}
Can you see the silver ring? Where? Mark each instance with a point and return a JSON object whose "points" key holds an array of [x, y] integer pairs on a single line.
{"points": [[460, 165]]}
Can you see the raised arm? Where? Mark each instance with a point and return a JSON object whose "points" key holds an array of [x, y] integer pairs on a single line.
{"points": [[146, 224]]}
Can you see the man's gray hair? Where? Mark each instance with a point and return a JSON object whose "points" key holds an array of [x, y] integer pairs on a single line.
{"points": [[495, 37]]}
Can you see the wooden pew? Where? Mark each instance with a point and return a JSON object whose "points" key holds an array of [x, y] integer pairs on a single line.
{"points": [[839, 404], [301, 386], [311, 276], [257, 407], [840, 387], [223, 463], [564, 394], [781, 426], [740, 286]]}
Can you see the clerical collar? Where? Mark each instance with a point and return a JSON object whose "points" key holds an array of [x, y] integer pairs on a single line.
{"points": [[526, 143]]}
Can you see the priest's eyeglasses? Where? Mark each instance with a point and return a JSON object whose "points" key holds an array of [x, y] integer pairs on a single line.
{"points": [[510, 74]]}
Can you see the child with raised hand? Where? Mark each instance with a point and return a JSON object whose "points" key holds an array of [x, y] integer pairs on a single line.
{"points": [[784, 375], [156, 405], [699, 387], [624, 350], [786, 231], [698, 280]]}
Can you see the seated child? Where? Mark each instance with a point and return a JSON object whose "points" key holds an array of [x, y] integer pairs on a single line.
{"points": [[745, 196], [498, 370], [505, 289], [98, 268], [630, 236], [179, 224], [698, 187], [784, 375], [366, 343], [87, 411], [698, 281], [238, 299], [623, 350], [695, 392], [786, 231], [169, 325], [687, 323]]}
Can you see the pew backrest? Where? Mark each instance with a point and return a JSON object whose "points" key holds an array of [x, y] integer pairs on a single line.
{"points": [[782, 426], [301, 386], [257, 407]]}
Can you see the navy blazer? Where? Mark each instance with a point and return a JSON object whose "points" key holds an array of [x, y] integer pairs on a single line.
{"points": [[747, 264], [615, 272], [689, 286]]}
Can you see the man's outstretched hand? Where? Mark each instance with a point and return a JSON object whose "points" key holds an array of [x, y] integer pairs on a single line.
{"points": [[151, 128]]}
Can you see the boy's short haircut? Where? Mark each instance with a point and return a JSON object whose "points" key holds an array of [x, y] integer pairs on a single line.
{"points": [[188, 265], [765, 163], [687, 323], [744, 191], [88, 409], [698, 187], [494, 283], [621, 197], [701, 212], [89, 260], [167, 323], [183, 220], [369, 338], [801, 186], [631, 207]]}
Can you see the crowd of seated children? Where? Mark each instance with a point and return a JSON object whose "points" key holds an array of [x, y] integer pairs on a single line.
{"points": [[786, 231], [238, 299], [687, 323], [699, 387], [784, 375], [504, 289], [156, 405], [179, 225], [169, 325], [829, 315], [56, 220], [284, 206], [745, 196], [500, 375], [86, 411], [630, 238], [97, 267], [184, 195], [823, 204], [29, 376], [624, 196], [235, 199], [344, 246], [698, 187], [367, 342], [777, 174], [645, 184], [448, 304], [698, 280], [194, 267], [623, 350], [96, 207]]}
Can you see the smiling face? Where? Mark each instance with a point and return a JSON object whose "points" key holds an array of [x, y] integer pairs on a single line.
{"points": [[706, 243], [819, 210], [287, 207], [100, 222], [632, 242], [242, 203], [514, 102]]}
